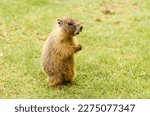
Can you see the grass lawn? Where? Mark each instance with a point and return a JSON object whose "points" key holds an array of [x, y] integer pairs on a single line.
{"points": [[115, 60]]}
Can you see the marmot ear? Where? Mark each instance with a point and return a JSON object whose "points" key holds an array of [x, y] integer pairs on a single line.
{"points": [[59, 22]]}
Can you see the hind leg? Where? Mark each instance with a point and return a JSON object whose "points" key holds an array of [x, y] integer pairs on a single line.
{"points": [[69, 77], [55, 80]]}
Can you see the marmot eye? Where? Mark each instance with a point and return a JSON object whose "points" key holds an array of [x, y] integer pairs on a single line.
{"points": [[69, 23], [59, 22]]}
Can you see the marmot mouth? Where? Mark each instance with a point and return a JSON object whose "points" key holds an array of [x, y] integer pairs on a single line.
{"points": [[77, 33]]}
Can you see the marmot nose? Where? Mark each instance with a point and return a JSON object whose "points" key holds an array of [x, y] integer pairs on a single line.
{"points": [[81, 28]]}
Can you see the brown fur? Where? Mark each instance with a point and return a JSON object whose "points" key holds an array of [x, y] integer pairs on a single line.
{"points": [[58, 52]]}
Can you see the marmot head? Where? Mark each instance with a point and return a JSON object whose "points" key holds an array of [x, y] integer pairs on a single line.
{"points": [[70, 26]]}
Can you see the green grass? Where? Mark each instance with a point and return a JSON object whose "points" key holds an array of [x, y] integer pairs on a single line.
{"points": [[115, 61]]}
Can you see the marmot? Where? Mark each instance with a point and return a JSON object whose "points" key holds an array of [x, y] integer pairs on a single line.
{"points": [[58, 52]]}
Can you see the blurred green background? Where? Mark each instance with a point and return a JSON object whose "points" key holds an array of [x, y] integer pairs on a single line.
{"points": [[114, 62]]}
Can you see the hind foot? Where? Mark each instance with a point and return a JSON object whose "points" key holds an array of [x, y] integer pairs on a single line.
{"points": [[54, 82]]}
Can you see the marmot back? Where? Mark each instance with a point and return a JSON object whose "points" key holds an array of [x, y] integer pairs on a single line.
{"points": [[58, 52]]}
